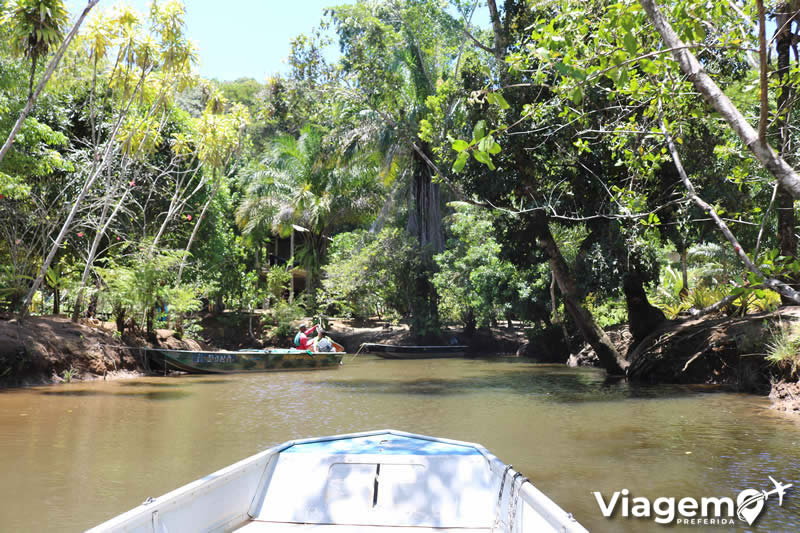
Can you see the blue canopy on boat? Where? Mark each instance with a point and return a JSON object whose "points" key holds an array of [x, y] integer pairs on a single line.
{"points": [[383, 443]]}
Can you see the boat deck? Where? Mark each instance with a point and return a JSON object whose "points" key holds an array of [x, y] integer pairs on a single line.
{"points": [[379, 481], [257, 526]]}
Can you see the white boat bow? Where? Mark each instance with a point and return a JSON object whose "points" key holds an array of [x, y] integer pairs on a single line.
{"points": [[376, 481]]}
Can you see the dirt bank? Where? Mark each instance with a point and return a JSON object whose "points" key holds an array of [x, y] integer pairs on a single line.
{"points": [[716, 350], [46, 350], [785, 397]]}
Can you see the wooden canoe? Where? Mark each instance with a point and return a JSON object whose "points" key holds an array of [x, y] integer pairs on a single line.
{"points": [[385, 481], [229, 362], [391, 351]]}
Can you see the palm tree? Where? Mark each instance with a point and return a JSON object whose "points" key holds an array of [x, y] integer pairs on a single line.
{"points": [[398, 52], [36, 26], [297, 185]]}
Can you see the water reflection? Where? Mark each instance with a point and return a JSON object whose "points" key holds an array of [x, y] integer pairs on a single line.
{"points": [[553, 384], [143, 383], [174, 381], [84, 452], [157, 395]]}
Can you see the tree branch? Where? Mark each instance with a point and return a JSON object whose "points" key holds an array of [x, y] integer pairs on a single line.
{"points": [[695, 73], [771, 283], [478, 43], [762, 56]]}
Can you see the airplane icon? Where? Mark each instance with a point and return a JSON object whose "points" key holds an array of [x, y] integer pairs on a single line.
{"points": [[779, 489]]}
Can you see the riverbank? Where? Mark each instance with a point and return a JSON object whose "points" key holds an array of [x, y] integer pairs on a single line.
{"points": [[709, 350], [44, 350], [730, 351]]}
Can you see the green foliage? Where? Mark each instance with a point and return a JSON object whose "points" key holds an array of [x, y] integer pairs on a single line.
{"points": [[36, 26], [669, 287], [764, 301], [37, 153], [13, 286], [69, 374], [143, 284], [370, 274], [474, 284], [120, 291], [482, 146], [607, 312], [702, 297], [283, 317], [563, 118], [672, 311], [181, 301], [278, 280], [783, 349], [298, 187], [715, 263]]}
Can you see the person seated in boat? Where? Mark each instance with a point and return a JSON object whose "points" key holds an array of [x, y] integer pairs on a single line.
{"points": [[322, 343], [301, 341]]}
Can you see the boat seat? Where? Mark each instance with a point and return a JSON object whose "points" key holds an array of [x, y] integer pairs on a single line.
{"points": [[256, 526], [426, 492]]}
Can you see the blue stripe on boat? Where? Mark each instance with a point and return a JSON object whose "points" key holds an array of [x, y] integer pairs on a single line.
{"points": [[382, 444]]}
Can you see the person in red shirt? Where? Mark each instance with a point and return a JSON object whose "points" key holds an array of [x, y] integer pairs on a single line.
{"points": [[301, 341]]}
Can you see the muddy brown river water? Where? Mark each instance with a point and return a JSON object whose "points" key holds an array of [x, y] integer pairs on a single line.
{"points": [[74, 455]]}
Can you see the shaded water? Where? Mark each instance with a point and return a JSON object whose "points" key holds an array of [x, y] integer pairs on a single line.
{"points": [[77, 454]]}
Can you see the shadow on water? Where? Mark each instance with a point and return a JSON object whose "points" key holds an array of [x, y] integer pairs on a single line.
{"points": [[198, 379], [149, 395], [567, 387], [158, 384], [176, 382]]}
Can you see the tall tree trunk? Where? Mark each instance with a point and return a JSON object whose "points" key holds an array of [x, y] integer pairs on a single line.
{"points": [[34, 61], [556, 316], [51, 67], [684, 292], [425, 223], [643, 318], [56, 300], [291, 266], [787, 221], [119, 319], [424, 213], [500, 37], [92, 308], [607, 353], [150, 318]]}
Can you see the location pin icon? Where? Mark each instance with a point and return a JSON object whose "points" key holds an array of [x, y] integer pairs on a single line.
{"points": [[749, 503]]}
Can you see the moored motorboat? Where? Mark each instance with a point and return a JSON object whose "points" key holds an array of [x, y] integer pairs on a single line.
{"points": [[375, 481], [227, 362], [392, 351]]}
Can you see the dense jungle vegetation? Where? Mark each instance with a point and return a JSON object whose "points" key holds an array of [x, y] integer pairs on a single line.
{"points": [[572, 165]]}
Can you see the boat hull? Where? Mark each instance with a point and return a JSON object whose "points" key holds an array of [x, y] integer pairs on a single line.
{"points": [[226, 362], [376, 481], [388, 351]]}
